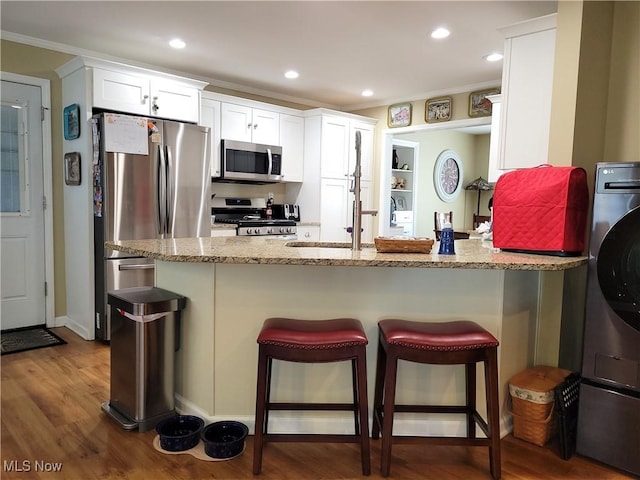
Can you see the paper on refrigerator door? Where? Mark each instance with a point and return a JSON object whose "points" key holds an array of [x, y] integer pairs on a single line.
{"points": [[125, 134]]}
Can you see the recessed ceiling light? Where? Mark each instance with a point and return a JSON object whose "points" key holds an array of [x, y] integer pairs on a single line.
{"points": [[367, 93], [177, 43], [440, 32], [291, 74], [493, 57]]}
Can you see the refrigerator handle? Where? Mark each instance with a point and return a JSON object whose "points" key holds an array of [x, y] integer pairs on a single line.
{"points": [[169, 188], [161, 190], [270, 157]]}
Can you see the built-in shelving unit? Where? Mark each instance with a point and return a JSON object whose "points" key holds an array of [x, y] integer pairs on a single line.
{"points": [[400, 189]]}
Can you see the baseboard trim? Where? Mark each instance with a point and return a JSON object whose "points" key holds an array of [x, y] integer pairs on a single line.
{"points": [[75, 327]]}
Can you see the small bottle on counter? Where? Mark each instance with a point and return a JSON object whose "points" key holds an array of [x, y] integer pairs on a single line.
{"points": [[446, 240], [269, 211]]}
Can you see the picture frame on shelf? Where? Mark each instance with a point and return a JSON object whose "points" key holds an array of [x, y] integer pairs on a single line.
{"points": [[401, 203], [72, 168], [71, 121], [479, 105], [438, 110], [399, 115]]}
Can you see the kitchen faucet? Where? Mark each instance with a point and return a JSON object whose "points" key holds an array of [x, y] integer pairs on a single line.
{"points": [[356, 229]]}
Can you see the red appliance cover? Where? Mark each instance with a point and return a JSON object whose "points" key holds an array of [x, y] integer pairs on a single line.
{"points": [[541, 210]]}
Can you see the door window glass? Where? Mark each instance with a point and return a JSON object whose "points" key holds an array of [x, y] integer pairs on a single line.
{"points": [[12, 164]]}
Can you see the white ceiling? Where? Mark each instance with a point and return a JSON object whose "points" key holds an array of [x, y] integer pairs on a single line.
{"points": [[339, 48]]}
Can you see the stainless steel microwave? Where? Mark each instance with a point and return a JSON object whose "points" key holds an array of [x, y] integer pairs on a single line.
{"points": [[250, 162]]}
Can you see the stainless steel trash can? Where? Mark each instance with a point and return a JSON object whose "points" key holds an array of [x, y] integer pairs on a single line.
{"points": [[144, 338]]}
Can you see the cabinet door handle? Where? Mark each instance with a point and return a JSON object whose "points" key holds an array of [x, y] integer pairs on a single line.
{"points": [[144, 99], [255, 125]]}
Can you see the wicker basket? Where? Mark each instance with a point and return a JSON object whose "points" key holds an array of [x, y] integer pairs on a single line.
{"points": [[403, 245], [532, 403], [538, 432]]}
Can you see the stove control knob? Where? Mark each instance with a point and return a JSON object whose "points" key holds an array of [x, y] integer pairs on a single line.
{"points": [[283, 230], [269, 231], [249, 231], [257, 231]]}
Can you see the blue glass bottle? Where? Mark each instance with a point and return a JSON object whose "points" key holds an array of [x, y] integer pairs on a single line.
{"points": [[446, 240]]}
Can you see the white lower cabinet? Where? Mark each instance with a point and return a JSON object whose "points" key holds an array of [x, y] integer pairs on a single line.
{"points": [[223, 232], [308, 233], [333, 210], [336, 212]]}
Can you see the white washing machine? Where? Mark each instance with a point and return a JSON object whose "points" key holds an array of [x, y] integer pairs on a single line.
{"points": [[609, 412]]}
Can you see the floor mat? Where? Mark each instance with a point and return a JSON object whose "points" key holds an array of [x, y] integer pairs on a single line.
{"points": [[23, 339]]}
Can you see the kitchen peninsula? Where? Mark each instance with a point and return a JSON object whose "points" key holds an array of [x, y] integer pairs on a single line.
{"points": [[234, 283]]}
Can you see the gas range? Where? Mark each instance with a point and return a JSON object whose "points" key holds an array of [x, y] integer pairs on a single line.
{"points": [[249, 216], [263, 226]]}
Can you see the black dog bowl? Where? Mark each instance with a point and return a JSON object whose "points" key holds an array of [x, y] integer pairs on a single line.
{"points": [[224, 439], [179, 433]]}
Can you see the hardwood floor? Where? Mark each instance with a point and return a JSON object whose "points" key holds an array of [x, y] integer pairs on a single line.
{"points": [[53, 427]]}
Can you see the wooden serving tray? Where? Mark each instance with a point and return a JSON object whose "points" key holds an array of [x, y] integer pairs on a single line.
{"points": [[403, 245]]}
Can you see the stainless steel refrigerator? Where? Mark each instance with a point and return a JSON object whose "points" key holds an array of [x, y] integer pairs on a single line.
{"points": [[151, 179]]}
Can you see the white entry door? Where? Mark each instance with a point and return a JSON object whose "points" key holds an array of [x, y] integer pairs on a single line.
{"points": [[22, 245]]}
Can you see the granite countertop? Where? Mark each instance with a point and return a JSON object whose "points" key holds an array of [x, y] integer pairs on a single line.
{"points": [[470, 254]]}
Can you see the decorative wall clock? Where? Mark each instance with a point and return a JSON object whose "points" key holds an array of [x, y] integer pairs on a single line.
{"points": [[447, 175]]}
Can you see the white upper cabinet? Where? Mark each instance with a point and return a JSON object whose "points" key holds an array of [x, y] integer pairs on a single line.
{"points": [[248, 124], [210, 117], [366, 149], [121, 92], [292, 143], [335, 147], [330, 159], [239, 119], [527, 83], [339, 147], [145, 94], [172, 100]]}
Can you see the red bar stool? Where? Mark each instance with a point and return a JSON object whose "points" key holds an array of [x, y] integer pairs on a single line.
{"points": [[447, 343], [312, 341]]}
